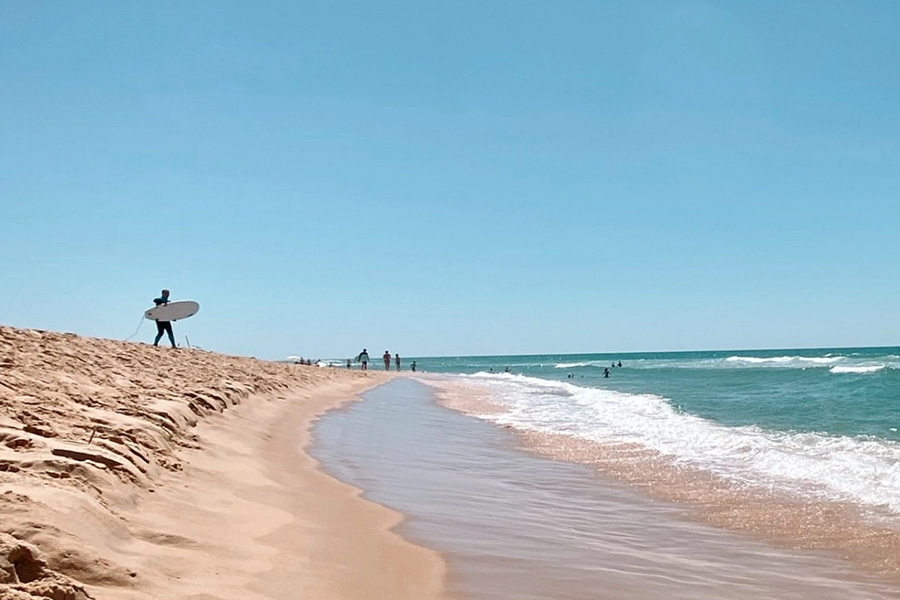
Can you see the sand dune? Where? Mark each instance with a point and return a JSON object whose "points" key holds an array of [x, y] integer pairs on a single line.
{"points": [[128, 471]]}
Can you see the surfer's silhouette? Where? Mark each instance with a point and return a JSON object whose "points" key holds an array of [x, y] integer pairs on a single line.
{"points": [[163, 326]]}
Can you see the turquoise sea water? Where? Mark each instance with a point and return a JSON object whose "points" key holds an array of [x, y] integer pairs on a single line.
{"points": [[822, 423]]}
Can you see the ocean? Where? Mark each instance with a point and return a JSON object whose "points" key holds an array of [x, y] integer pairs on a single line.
{"points": [[821, 423], [725, 460]]}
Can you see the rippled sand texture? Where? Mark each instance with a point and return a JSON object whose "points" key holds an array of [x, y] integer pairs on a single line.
{"points": [[868, 540], [128, 471]]}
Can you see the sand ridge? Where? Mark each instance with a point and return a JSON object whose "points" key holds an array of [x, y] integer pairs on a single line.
{"points": [[128, 471]]}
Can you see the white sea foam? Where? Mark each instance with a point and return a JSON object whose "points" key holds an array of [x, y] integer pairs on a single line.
{"points": [[834, 467], [788, 361], [862, 369], [591, 363], [739, 362]]}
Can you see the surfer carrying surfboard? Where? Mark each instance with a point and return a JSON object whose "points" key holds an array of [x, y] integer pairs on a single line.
{"points": [[163, 326]]}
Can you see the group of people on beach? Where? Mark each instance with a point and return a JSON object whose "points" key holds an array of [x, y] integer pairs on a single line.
{"points": [[363, 359], [165, 327]]}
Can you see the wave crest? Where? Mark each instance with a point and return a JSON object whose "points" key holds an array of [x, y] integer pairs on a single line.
{"points": [[786, 360], [862, 370]]}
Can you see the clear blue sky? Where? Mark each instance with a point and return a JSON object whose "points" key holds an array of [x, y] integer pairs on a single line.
{"points": [[454, 177]]}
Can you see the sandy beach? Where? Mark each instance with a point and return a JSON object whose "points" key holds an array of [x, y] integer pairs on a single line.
{"points": [[128, 471]]}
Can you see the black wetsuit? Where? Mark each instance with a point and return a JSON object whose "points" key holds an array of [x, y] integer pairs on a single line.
{"points": [[163, 326]]}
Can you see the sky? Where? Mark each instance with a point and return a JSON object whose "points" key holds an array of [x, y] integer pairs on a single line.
{"points": [[454, 178]]}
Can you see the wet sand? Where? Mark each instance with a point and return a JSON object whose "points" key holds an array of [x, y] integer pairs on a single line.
{"points": [[513, 524]]}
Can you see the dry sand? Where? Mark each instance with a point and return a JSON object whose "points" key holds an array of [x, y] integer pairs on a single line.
{"points": [[128, 471]]}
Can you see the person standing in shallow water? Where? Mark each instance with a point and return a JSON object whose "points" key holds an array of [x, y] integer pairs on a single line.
{"points": [[363, 359], [163, 326], [387, 360], [413, 366], [397, 361]]}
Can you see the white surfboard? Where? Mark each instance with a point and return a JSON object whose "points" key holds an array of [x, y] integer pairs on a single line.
{"points": [[173, 311]]}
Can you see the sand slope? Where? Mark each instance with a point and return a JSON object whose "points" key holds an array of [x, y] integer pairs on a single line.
{"points": [[128, 471]]}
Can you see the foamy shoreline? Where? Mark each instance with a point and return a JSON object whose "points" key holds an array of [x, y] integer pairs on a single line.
{"points": [[863, 538], [128, 471]]}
